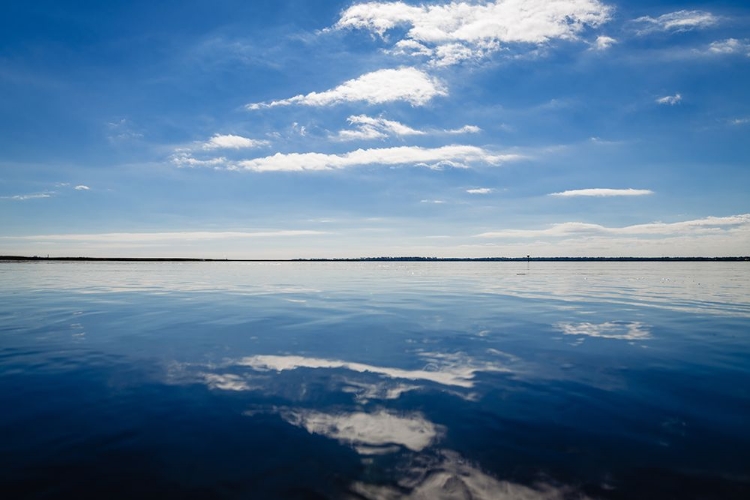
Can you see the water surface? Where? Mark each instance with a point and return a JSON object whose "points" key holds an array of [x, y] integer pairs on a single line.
{"points": [[375, 380]]}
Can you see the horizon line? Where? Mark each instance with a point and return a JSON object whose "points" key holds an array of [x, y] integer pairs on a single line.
{"points": [[21, 258]]}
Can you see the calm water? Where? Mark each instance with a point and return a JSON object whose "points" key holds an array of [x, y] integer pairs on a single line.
{"points": [[375, 380]]}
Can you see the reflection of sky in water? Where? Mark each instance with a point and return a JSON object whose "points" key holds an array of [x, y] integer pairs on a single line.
{"points": [[368, 433], [453, 370], [718, 287], [402, 380], [608, 330]]}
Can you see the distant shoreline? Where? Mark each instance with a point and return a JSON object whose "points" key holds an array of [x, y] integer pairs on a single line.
{"points": [[16, 258]]}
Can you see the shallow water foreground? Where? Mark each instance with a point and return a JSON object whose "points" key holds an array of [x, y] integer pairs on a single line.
{"points": [[375, 380]]}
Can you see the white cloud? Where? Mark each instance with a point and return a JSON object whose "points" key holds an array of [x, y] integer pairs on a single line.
{"points": [[604, 192], [435, 202], [81, 187], [730, 46], [232, 142], [24, 197], [699, 227], [480, 191], [739, 121], [682, 20], [368, 127], [185, 159], [466, 129], [386, 85], [671, 100], [458, 31], [454, 156], [164, 237], [604, 42]]}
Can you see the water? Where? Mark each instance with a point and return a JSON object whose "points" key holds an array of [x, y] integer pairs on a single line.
{"points": [[375, 380]]}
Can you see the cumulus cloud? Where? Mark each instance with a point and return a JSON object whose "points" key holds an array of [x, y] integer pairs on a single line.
{"points": [[682, 20], [670, 100], [232, 142], [81, 187], [386, 85], [459, 31], [697, 227], [480, 191], [599, 192], [452, 156]]}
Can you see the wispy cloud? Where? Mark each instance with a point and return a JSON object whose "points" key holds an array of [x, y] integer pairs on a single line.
{"points": [[368, 128], [466, 129], [25, 197], [706, 226], [730, 46], [480, 191], [386, 85], [461, 31], [452, 156], [164, 237], [81, 187], [739, 121], [670, 100], [184, 158], [600, 192], [232, 142], [682, 20]]}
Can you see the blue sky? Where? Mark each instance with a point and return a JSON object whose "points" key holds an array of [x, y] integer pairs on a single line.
{"points": [[284, 129]]}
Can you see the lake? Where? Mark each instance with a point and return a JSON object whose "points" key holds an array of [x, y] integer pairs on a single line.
{"points": [[375, 380]]}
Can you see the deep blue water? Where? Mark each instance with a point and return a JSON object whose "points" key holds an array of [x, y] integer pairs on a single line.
{"points": [[375, 380]]}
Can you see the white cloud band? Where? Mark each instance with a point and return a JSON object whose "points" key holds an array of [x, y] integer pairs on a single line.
{"points": [[682, 20], [599, 192], [698, 227], [455, 156], [232, 142], [386, 85]]}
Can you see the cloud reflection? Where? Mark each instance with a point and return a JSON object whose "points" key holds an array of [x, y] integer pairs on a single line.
{"points": [[450, 477], [609, 330], [226, 382], [369, 433], [450, 370]]}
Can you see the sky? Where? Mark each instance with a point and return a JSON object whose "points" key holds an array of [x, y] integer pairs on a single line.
{"points": [[333, 129]]}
